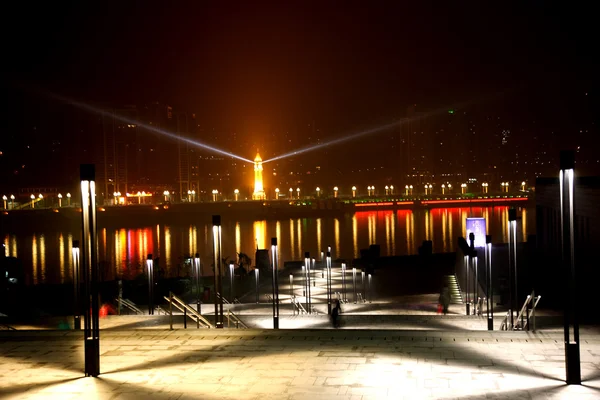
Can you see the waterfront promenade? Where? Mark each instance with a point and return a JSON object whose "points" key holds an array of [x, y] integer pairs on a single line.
{"points": [[296, 364]]}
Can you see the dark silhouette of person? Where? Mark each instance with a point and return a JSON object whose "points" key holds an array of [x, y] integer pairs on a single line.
{"points": [[444, 299], [335, 314]]}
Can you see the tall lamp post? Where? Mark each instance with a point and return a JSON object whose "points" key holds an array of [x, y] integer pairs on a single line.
{"points": [[150, 265], [76, 287], [567, 221], [306, 280], [216, 220], [198, 278], [89, 241], [329, 282], [512, 262], [490, 294], [231, 268], [274, 262], [354, 282], [256, 278], [344, 281]]}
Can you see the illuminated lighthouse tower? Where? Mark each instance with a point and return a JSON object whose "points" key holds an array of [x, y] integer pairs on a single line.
{"points": [[259, 191]]}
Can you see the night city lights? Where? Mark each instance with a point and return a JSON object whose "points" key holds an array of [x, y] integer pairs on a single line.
{"points": [[294, 200]]}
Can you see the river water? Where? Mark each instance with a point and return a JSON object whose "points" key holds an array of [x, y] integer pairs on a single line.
{"points": [[46, 254]]}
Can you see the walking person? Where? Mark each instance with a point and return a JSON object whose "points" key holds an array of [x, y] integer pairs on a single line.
{"points": [[444, 299], [335, 314]]}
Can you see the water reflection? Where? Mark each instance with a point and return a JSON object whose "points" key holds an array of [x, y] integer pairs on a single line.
{"points": [[355, 235], [34, 259], [319, 233], [122, 251], [61, 257], [336, 233]]}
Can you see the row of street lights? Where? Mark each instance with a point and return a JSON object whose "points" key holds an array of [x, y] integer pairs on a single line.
{"points": [[40, 197]]}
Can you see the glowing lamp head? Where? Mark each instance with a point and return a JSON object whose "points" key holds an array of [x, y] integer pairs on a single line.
{"points": [[335, 188], [236, 191]]}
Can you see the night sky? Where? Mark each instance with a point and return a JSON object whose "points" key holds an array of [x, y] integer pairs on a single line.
{"points": [[256, 67]]}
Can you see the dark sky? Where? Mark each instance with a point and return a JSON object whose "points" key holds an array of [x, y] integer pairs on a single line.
{"points": [[259, 67], [262, 61]]}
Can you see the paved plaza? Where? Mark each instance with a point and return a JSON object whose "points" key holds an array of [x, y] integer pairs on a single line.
{"points": [[295, 364]]}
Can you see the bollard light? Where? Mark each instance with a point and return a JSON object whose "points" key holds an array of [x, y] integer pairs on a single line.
{"points": [[198, 274], [236, 193], [231, 268], [335, 191], [76, 286], [490, 294], [344, 297], [353, 191], [216, 220], [512, 263], [150, 267], [277, 193], [274, 263]]}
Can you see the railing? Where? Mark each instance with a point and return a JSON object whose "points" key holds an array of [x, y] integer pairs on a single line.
{"points": [[340, 298], [128, 304], [225, 301], [522, 322], [523, 317], [187, 311], [270, 298], [232, 317], [298, 306], [360, 298]]}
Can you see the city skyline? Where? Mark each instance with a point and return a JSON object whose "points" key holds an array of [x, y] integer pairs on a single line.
{"points": [[485, 90]]}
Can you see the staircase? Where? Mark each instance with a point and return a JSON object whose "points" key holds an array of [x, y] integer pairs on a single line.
{"points": [[452, 283]]}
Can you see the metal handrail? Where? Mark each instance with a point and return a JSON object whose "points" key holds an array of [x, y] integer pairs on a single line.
{"points": [[236, 320], [186, 310], [225, 301], [520, 314], [299, 306], [524, 323], [128, 304], [360, 298]]}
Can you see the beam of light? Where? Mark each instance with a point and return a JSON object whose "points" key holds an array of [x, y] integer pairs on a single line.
{"points": [[151, 128], [366, 132]]}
